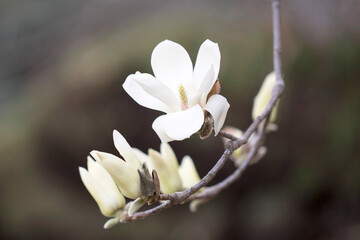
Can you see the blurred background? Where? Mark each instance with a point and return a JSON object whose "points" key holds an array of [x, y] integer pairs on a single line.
{"points": [[62, 64]]}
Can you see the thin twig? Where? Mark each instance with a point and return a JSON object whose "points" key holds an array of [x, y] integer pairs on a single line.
{"points": [[233, 144], [277, 44], [144, 214], [224, 134], [179, 197], [214, 190]]}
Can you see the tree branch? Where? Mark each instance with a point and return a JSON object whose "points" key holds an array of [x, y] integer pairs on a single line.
{"points": [[224, 134], [144, 214], [277, 45], [234, 143]]}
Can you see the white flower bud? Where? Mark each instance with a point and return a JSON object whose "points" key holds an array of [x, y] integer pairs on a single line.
{"points": [[263, 97], [166, 166], [102, 188], [143, 157], [123, 173], [136, 205]]}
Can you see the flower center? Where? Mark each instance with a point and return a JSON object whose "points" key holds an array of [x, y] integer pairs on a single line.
{"points": [[183, 98]]}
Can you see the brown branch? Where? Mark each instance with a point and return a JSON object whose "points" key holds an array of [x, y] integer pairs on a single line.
{"points": [[214, 190], [277, 45], [144, 214], [179, 197], [234, 143], [224, 134]]}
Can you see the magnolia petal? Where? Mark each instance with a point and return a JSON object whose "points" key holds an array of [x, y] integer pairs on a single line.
{"points": [[136, 205], [159, 127], [171, 64], [181, 125], [208, 57], [141, 155], [188, 174], [218, 107], [169, 177], [203, 90], [124, 175], [108, 186], [137, 92], [125, 150], [111, 222], [98, 172], [95, 190], [108, 205], [194, 100], [206, 85], [190, 89], [157, 89], [168, 154]]}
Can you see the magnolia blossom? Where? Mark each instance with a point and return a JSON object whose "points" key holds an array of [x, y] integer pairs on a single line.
{"points": [[179, 90], [104, 190], [124, 173], [263, 97], [172, 177]]}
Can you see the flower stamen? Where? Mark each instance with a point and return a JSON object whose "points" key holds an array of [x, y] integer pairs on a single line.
{"points": [[183, 98]]}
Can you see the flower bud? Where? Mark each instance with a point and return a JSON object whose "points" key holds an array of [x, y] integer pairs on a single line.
{"points": [[263, 97], [166, 165], [102, 188], [123, 173]]}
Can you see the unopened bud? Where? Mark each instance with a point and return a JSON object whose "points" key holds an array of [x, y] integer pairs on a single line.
{"points": [[102, 188], [263, 97]]}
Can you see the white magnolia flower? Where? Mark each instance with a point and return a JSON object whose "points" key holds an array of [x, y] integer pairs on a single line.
{"points": [[123, 172], [103, 189], [172, 177], [179, 90], [263, 97]]}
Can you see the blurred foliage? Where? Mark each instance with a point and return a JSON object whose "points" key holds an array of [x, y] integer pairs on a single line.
{"points": [[62, 67]]}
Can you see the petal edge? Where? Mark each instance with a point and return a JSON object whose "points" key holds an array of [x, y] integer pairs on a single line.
{"points": [[218, 107]]}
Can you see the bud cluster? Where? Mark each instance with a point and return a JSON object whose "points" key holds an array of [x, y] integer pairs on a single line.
{"points": [[138, 176]]}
